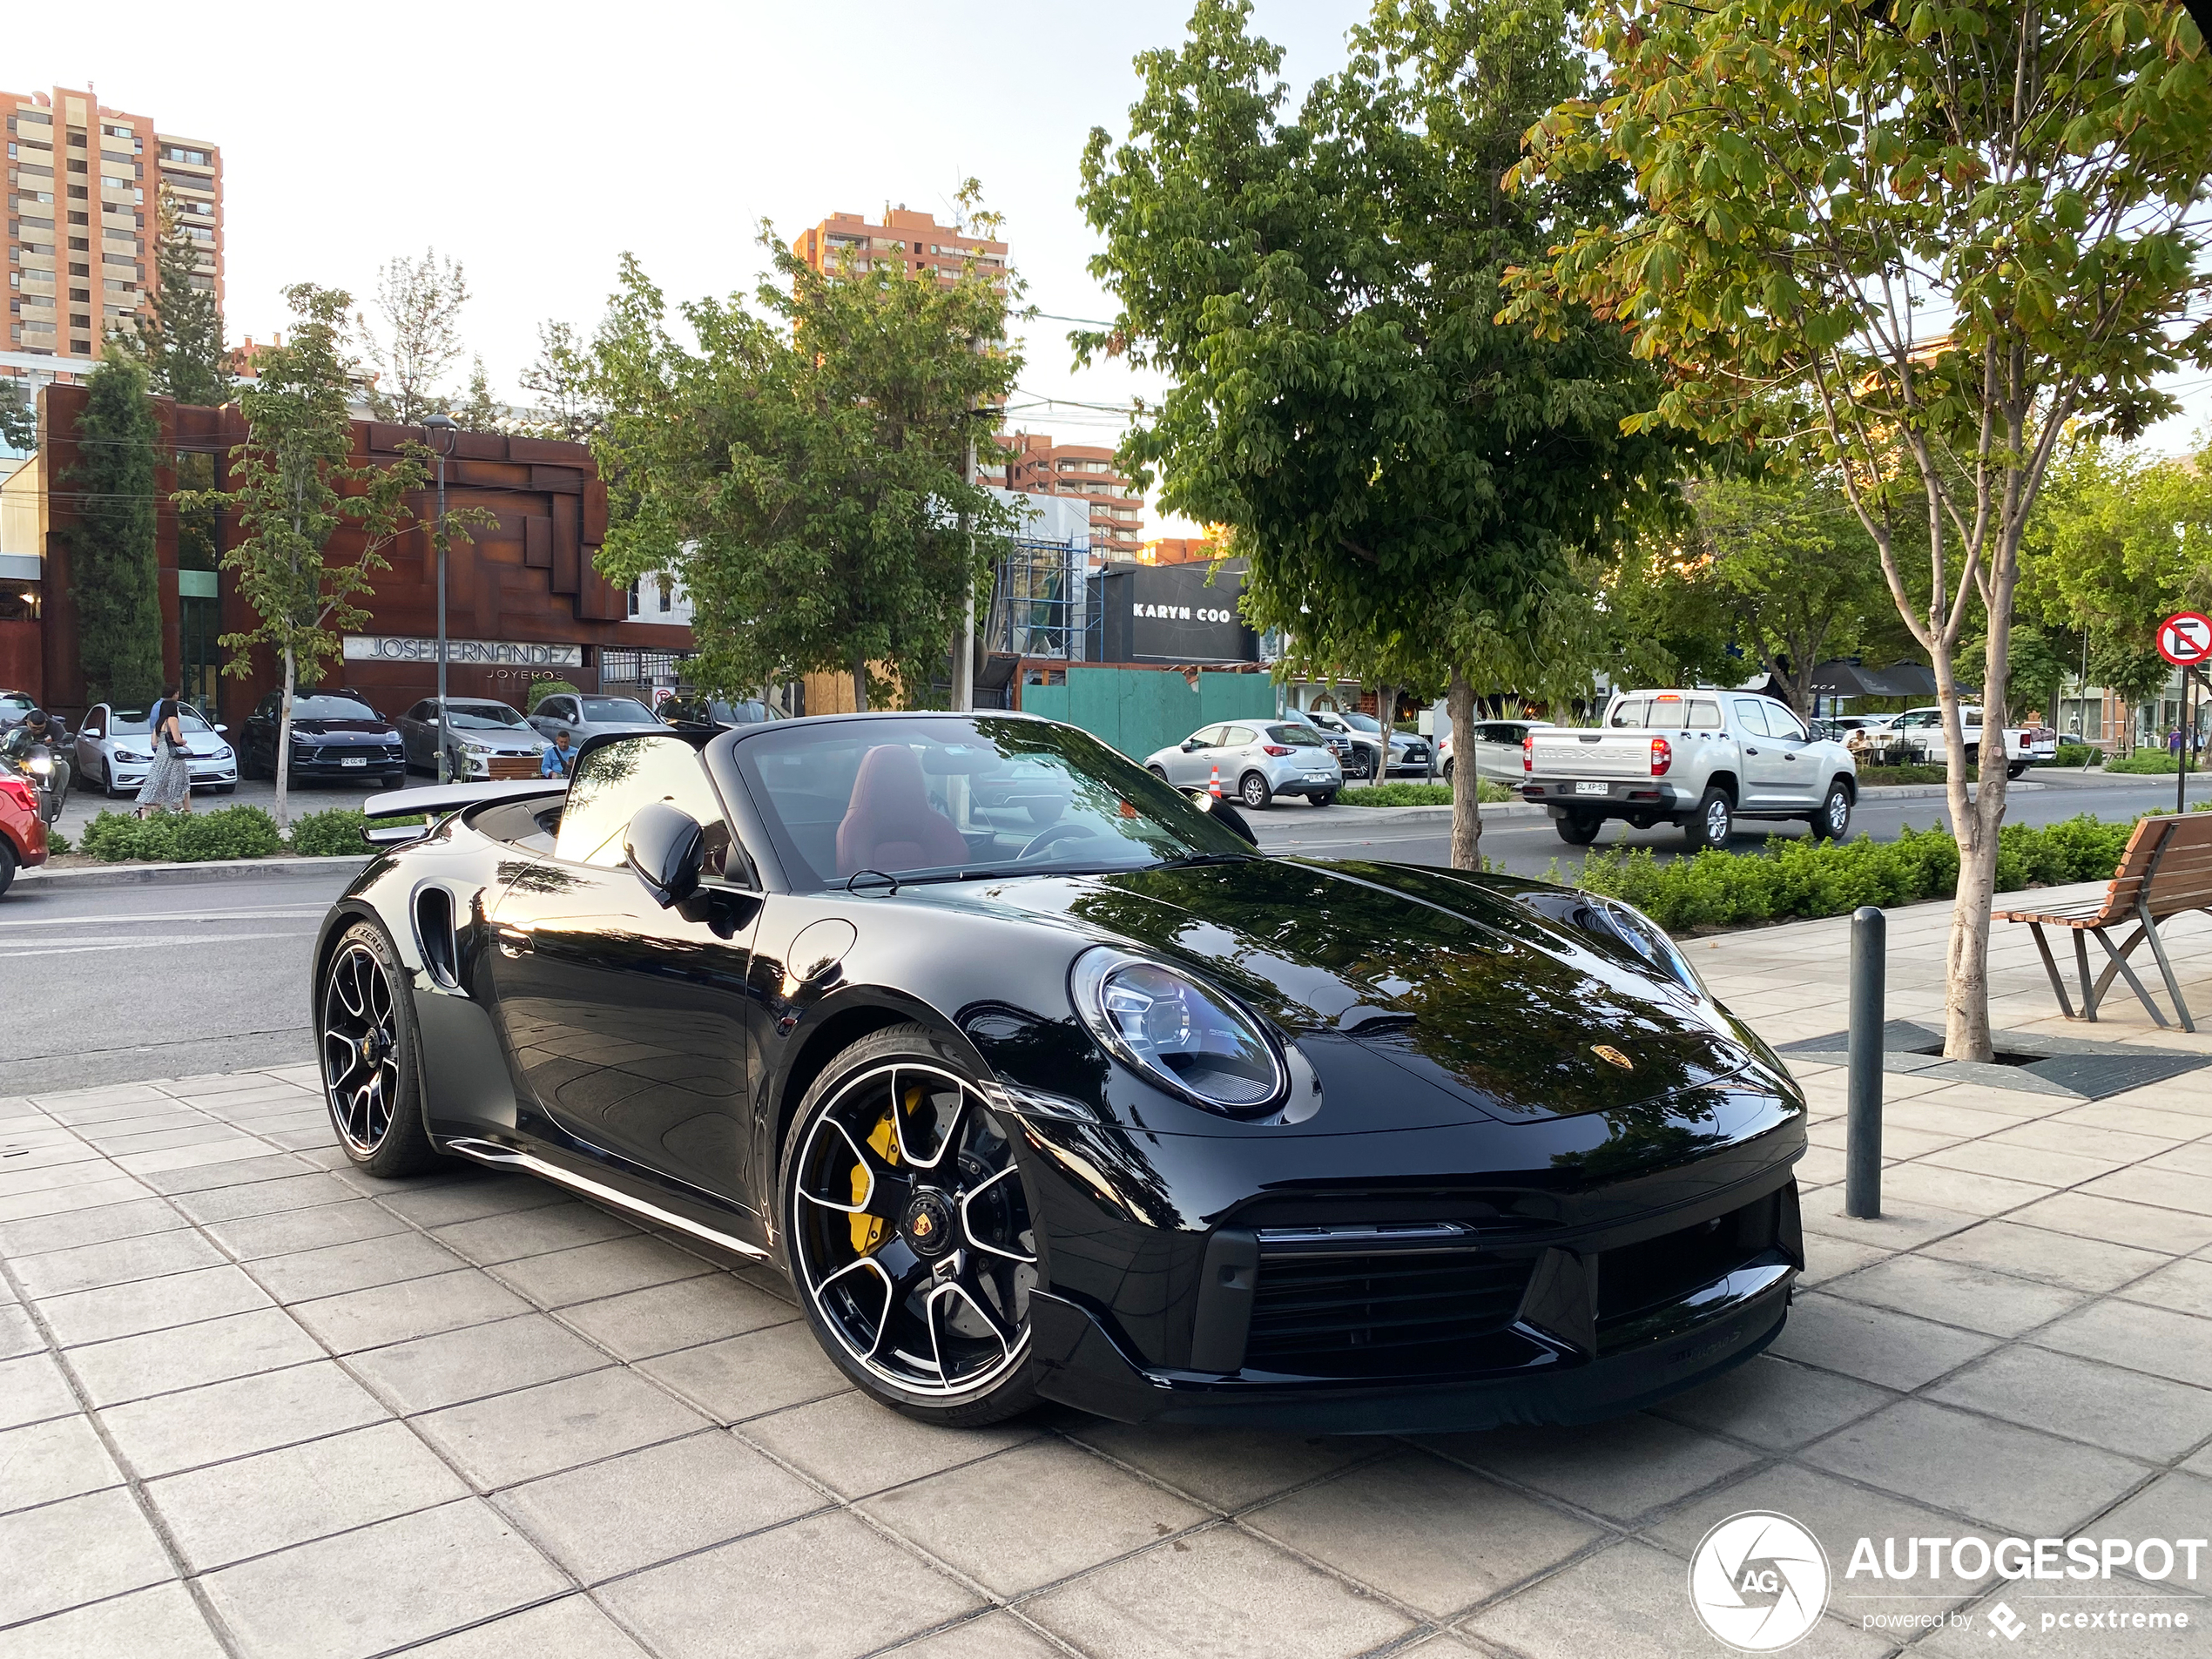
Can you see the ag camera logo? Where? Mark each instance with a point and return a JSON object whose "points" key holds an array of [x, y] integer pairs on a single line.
{"points": [[1759, 1581]]}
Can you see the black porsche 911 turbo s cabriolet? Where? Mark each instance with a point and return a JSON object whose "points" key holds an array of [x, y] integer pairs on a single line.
{"points": [[1038, 1079]]}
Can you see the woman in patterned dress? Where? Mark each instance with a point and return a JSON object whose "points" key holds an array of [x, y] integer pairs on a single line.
{"points": [[168, 785]]}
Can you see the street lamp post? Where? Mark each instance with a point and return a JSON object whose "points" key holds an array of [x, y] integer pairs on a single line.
{"points": [[445, 434]]}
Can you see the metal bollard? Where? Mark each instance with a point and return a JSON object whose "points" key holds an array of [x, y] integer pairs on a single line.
{"points": [[1862, 1120]]}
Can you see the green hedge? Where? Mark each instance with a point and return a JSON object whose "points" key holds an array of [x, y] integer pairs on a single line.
{"points": [[2074, 754], [1804, 878], [336, 834], [2149, 763], [184, 837], [1420, 794]]}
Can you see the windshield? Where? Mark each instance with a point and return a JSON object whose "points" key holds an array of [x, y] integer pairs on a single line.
{"points": [[327, 707], [482, 717], [131, 722], [614, 709], [1361, 722], [963, 796]]}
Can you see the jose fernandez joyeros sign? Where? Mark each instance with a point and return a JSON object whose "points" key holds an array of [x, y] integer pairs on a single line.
{"points": [[1760, 1581]]}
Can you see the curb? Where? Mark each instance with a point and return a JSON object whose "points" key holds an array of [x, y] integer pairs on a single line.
{"points": [[131, 876]]}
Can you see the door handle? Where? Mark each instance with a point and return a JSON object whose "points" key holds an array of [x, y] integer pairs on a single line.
{"points": [[1750, 752], [513, 941]]}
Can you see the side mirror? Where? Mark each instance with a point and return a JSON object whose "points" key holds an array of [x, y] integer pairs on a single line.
{"points": [[1228, 816], [1188, 744], [219, 726], [664, 845]]}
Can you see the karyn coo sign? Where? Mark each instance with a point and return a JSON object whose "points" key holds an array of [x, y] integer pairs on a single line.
{"points": [[502, 653]]}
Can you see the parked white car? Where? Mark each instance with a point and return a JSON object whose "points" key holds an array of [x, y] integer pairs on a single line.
{"points": [[114, 750], [1254, 761], [1498, 749]]}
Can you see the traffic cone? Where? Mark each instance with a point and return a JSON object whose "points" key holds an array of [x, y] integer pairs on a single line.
{"points": [[1214, 788]]}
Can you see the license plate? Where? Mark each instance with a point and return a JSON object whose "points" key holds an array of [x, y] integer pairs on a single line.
{"points": [[355, 760], [1593, 789]]}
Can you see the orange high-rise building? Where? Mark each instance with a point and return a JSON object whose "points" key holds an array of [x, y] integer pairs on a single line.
{"points": [[1041, 467], [910, 241], [84, 214]]}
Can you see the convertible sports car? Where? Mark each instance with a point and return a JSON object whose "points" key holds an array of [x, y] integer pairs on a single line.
{"points": [[1038, 1079]]}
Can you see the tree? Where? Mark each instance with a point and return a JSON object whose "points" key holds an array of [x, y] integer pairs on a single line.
{"points": [[18, 420], [295, 486], [1912, 245], [803, 472], [561, 375], [419, 301], [1414, 481], [113, 575], [477, 412], [180, 338]]}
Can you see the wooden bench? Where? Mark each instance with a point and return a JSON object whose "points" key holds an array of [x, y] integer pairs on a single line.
{"points": [[2167, 869]]}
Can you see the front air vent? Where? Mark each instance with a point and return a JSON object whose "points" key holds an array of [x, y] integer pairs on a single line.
{"points": [[433, 932], [1388, 1312]]}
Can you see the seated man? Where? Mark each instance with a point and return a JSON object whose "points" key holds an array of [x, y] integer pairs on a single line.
{"points": [[559, 760]]}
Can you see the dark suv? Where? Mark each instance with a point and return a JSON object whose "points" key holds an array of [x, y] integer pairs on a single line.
{"points": [[334, 734]]}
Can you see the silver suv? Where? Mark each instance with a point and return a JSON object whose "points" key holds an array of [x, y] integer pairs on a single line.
{"points": [[1254, 761]]}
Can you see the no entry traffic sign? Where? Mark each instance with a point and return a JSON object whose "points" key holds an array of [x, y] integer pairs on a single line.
{"points": [[2185, 638]]}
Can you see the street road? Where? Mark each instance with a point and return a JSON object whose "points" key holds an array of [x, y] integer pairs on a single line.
{"points": [[113, 984]]}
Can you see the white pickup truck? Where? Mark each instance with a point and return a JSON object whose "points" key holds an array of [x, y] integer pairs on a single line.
{"points": [[1920, 734], [1698, 759]]}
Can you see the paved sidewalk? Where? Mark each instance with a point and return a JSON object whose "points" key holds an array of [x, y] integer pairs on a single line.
{"points": [[253, 1403]]}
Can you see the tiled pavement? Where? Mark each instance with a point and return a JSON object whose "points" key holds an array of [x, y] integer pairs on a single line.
{"points": [[251, 1402]]}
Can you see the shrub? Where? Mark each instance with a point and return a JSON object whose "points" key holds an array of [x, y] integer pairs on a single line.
{"points": [[2074, 754], [178, 837], [58, 843], [1420, 794], [540, 690], [2147, 762], [336, 834], [1876, 776]]}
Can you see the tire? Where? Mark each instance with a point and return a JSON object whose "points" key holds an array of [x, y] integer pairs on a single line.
{"points": [[1161, 773], [861, 1210], [1577, 829], [1832, 821], [108, 784], [227, 789], [370, 1055], [1326, 798], [1447, 769], [392, 781], [2016, 770], [7, 865], [1252, 789], [1714, 824], [1973, 754]]}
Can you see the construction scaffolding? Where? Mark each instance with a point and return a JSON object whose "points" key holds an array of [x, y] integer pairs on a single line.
{"points": [[1044, 603]]}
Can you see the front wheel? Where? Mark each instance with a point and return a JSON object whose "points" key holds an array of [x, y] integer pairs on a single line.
{"points": [[108, 788], [1254, 791], [909, 1233], [1714, 824], [1161, 773], [1834, 816], [370, 1078], [1577, 829]]}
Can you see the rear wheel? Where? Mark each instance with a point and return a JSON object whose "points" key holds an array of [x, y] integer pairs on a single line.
{"points": [[2016, 769], [370, 1078], [1447, 768], [1578, 829], [909, 1233], [7, 865], [1713, 823], [1254, 791], [1326, 798]]}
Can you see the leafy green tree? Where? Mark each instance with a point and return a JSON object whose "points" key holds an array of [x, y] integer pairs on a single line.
{"points": [[18, 419], [180, 339], [1912, 245], [113, 574], [802, 473], [1413, 480], [295, 486]]}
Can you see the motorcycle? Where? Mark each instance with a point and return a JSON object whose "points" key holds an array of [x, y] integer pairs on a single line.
{"points": [[48, 780]]}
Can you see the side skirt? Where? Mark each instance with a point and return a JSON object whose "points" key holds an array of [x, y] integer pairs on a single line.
{"points": [[506, 1158]]}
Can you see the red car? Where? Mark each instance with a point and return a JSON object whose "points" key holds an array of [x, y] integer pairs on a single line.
{"points": [[23, 833]]}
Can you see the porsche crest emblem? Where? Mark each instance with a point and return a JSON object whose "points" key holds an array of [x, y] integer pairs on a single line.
{"points": [[1612, 1056], [923, 1225]]}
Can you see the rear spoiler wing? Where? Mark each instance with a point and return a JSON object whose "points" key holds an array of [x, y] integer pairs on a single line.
{"points": [[437, 801]]}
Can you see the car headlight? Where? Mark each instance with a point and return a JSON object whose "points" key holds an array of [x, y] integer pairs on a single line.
{"points": [[1648, 940], [131, 754], [226, 752], [1172, 1031]]}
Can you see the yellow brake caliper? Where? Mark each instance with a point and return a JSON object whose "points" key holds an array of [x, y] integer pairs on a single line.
{"points": [[867, 1230]]}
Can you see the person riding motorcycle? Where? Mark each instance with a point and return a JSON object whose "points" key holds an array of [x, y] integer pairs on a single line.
{"points": [[41, 737]]}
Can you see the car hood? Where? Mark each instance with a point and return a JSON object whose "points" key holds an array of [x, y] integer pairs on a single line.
{"points": [[1449, 979]]}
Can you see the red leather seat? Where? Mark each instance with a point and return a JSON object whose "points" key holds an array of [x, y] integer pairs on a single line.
{"points": [[889, 825]]}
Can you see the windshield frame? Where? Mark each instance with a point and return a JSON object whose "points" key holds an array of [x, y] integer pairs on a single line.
{"points": [[771, 844]]}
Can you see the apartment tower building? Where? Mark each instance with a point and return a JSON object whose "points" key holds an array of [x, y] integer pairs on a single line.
{"points": [[83, 194], [1041, 467], [910, 241]]}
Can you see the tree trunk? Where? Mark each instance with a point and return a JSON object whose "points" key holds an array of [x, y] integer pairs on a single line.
{"points": [[1386, 706], [860, 681], [1975, 820], [1467, 781], [282, 766]]}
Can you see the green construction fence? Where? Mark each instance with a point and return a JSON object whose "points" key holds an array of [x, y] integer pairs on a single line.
{"points": [[1139, 711]]}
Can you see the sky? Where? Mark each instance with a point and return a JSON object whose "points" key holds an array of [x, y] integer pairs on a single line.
{"points": [[536, 144]]}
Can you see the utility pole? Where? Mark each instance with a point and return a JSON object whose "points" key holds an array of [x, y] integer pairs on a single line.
{"points": [[964, 648], [443, 425]]}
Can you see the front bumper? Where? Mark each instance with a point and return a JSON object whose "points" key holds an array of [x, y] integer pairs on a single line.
{"points": [[130, 774]]}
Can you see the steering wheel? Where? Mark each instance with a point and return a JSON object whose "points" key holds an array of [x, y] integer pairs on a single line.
{"points": [[1074, 829]]}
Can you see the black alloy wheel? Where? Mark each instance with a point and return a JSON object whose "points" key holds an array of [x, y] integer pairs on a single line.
{"points": [[7, 865], [1254, 791], [368, 1045], [1834, 816], [909, 1234], [1713, 823], [1577, 829]]}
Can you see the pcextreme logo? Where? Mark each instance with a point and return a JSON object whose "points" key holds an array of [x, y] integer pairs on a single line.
{"points": [[1759, 1581]]}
